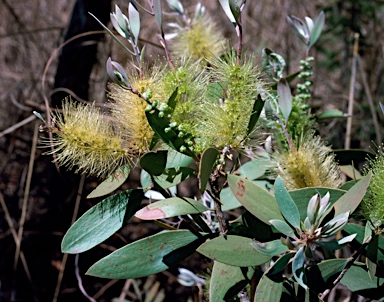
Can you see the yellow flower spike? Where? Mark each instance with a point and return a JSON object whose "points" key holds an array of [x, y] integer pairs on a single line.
{"points": [[309, 164], [201, 40], [129, 109], [85, 140]]}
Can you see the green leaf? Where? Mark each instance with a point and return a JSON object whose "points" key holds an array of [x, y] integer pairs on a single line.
{"points": [[268, 290], [134, 21], [256, 111], [351, 172], [154, 162], [158, 13], [229, 200], [357, 279], [286, 204], [280, 264], [271, 248], [236, 6], [111, 183], [228, 11], [224, 279], [372, 254], [321, 275], [177, 159], [256, 200], [298, 267], [332, 113], [171, 207], [233, 250], [208, 159], [317, 28], [301, 197], [273, 64], [351, 200], [101, 221], [255, 168], [285, 98], [283, 227], [141, 258], [173, 176]]}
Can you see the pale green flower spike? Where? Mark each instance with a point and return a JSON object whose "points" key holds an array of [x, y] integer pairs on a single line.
{"points": [[373, 202], [85, 140], [227, 106], [310, 164]]}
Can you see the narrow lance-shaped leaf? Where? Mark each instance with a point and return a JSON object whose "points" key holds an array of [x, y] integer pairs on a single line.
{"points": [[255, 199], [134, 21], [283, 227], [236, 7], [141, 258], [317, 28], [298, 267], [256, 111], [286, 204], [228, 11], [233, 250], [111, 183], [271, 248], [101, 221], [351, 200], [208, 159], [285, 98], [171, 207], [157, 10]]}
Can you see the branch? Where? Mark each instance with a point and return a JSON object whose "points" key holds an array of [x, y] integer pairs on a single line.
{"points": [[351, 261]]}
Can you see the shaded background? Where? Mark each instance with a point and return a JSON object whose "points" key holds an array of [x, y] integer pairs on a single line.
{"points": [[32, 70]]}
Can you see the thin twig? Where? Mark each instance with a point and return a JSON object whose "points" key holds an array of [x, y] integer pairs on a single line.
{"points": [[65, 256], [349, 264], [104, 288], [18, 125], [79, 281], [26, 194], [125, 289], [351, 93]]}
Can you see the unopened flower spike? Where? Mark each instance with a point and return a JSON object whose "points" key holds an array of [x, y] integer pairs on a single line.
{"points": [[117, 73]]}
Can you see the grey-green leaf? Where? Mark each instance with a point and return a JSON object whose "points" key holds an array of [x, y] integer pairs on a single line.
{"points": [[298, 267], [283, 227], [141, 258], [111, 183], [134, 21], [224, 277], [154, 162], [207, 161], [233, 250], [255, 199], [228, 11], [286, 204], [271, 248], [158, 13], [351, 200], [317, 28], [101, 221], [285, 98], [171, 207], [268, 290]]}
